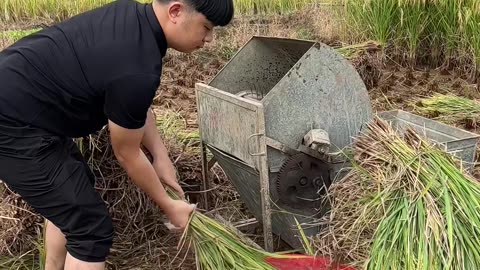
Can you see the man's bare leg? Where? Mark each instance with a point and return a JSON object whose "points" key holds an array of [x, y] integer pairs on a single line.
{"points": [[75, 264], [55, 247], [57, 257]]}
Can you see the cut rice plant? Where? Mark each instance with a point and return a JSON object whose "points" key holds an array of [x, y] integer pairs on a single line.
{"points": [[406, 204], [219, 247], [32, 260], [216, 247], [354, 51], [450, 109]]}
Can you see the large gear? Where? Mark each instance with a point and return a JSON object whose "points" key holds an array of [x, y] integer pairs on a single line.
{"points": [[302, 181]]}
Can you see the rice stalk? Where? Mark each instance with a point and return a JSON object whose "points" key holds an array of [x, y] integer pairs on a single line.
{"points": [[218, 246], [406, 204]]}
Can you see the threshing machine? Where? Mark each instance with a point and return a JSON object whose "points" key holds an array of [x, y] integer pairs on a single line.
{"points": [[276, 119]]}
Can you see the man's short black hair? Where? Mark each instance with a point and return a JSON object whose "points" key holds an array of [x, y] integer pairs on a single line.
{"points": [[219, 12]]}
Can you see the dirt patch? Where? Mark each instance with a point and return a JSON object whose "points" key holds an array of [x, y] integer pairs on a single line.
{"points": [[400, 88]]}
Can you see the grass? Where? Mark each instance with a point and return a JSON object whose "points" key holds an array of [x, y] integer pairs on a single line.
{"points": [[439, 30], [11, 36], [32, 260]]}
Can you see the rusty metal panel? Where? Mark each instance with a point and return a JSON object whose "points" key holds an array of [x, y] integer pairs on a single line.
{"points": [[229, 123]]}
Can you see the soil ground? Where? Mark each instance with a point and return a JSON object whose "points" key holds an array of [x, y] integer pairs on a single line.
{"points": [[392, 87]]}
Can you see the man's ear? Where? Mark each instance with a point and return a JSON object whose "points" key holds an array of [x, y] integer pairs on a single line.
{"points": [[175, 10]]}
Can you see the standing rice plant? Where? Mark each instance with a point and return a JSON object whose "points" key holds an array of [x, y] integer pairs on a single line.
{"points": [[270, 6], [414, 21], [375, 19], [50, 10], [472, 34], [56, 10], [442, 30], [447, 29]]}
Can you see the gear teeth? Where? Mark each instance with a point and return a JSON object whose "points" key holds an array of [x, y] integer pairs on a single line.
{"points": [[282, 180], [283, 170]]}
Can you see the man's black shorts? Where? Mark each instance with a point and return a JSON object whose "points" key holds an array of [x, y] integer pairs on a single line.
{"points": [[51, 175]]}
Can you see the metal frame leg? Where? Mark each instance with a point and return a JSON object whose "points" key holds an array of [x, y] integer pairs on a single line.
{"points": [[205, 169]]}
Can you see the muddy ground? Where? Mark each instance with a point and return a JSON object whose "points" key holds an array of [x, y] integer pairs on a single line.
{"points": [[391, 86]]}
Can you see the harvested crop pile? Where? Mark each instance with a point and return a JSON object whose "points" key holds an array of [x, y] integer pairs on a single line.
{"points": [[451, 109], [405, 205]]}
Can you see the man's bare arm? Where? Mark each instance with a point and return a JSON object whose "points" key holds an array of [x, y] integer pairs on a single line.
{"points": [[161, 161], [126, 146]]}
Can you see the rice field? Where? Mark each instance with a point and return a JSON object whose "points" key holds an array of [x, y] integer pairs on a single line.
{"points": [[55, 10], [438, 31]]}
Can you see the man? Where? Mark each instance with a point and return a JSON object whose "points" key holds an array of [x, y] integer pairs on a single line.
{"points": [[69, 80]]}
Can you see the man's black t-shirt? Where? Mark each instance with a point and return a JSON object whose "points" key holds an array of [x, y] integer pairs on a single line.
{"points": [[69, 79]]}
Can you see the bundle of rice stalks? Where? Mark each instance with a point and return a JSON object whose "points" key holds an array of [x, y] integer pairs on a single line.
{"points": [[450, 109], [405, 205], [220, 246]]}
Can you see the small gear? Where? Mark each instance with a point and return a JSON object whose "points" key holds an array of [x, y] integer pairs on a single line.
{"points": [[302, 181]]}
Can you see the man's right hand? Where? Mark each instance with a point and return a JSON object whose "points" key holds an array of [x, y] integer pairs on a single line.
{"points": [[178, 212]]}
